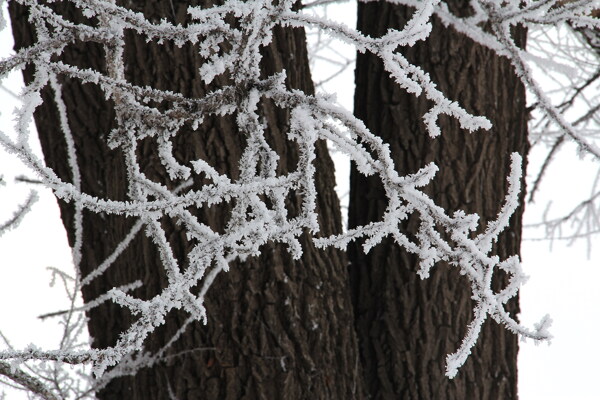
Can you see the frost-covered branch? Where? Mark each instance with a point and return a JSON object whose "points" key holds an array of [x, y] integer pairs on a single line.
{"points": [[14, 221], [30, 383], [501, 16], [230, 37]]}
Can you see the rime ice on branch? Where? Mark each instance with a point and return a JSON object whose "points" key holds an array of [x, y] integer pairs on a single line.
{"points": [[230, 37]]}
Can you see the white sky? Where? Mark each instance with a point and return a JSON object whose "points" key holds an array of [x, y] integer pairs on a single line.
{"points": [[563, 283]]}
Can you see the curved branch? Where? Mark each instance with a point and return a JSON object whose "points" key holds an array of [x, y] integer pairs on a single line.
{"points": [[27, 381]]}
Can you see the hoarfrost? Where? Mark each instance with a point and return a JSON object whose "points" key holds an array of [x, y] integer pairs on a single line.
{"points": [[259, 215]]}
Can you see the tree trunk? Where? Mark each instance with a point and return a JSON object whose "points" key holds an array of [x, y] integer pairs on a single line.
{"points": [[406, 326], [277, 328]]}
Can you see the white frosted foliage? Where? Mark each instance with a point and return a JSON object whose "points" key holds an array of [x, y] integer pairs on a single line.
{"points": [[230, 37]]}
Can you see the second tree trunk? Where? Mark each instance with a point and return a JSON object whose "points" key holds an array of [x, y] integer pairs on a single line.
{"points": [[407, 326]]}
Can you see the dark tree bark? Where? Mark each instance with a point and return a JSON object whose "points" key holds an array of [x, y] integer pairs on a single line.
{"points": [[278, 328], [407, 326]]}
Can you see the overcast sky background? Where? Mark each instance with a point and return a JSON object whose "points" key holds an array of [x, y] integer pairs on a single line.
{"points": [[563, 283]]}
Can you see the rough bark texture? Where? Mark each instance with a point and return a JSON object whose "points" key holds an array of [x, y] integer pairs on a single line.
{"points": [[407, 326], [278, 328]]}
